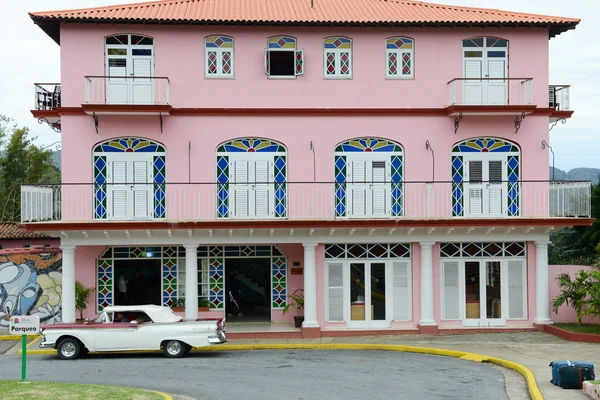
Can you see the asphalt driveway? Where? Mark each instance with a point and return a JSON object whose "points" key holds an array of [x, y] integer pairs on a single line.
{"points": [[285, 374]]}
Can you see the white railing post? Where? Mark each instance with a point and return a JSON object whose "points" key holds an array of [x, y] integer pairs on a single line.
{"points": [[87, 90], [167, 90]]}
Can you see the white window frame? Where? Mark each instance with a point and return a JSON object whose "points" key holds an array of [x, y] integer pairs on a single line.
{"points": [[295, 51], [219, 51], [399, 53], [203, 283], [337, 53]]}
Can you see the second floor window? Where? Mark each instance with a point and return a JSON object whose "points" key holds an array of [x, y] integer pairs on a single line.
{"points": [[282, 59], [219, 57], [337, 57], [399, 58]]}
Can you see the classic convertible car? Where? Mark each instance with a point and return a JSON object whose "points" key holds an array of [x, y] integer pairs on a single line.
{"points": [[125, 328]]}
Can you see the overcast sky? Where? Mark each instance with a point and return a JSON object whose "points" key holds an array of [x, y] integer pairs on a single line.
{"points": [[30, 56]]}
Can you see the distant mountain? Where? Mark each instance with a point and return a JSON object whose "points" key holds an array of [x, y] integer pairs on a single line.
{"points": [[56, 158], [577, 174]]}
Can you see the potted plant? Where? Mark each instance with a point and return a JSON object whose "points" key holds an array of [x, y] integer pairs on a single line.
{"points": [[81, 297], [296, 299], [178, 305], [203, 305]]}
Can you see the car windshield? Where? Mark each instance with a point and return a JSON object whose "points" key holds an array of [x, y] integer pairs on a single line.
{"points": [[101, 319]]}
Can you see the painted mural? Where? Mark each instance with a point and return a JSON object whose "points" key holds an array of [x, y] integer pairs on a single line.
{"points": [[30, 284]]}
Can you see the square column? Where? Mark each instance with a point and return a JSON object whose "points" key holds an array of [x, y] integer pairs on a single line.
{"points": [[191, 282], [542, 291], [310, 286], [68, 284], [427, 287]]}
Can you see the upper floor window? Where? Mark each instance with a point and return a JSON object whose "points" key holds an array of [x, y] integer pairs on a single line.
{"points": [[485, 69], [399, 54], [219, 57], [282, 59], [337, 57]]}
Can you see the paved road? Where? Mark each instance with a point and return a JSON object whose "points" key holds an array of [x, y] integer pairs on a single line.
{"points": [[288, 374], [5, 345]]}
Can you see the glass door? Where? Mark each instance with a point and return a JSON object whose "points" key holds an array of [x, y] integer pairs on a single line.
{"points": [[483, 293], [368, 300]]}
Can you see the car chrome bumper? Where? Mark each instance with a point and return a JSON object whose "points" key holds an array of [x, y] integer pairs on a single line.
{"points": [[45, 344], [218, 338]]}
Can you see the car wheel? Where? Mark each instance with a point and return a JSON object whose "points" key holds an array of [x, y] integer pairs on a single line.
{"points": [[69, 349], [174, 348]]}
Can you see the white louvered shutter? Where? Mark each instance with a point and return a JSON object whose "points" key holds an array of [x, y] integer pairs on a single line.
{"points": [[516, 289], [141, 85], [402, 291], [118, 188], [241, 196], [495, 191], [262, 192], [475, 187], [358, 187], [451, 299], [379, 190], [335, 278], [473, 89], [142, 184]]}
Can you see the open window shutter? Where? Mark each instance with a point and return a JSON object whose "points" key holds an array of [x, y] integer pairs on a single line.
{"points": [[335, 289], [451, 298], [261, 191], [495, 188], [379, 191], [402, 292], [299, 62], [119, 189], [241, 196], [267, 63], [359, 192], [141, 194], [516, 285]]}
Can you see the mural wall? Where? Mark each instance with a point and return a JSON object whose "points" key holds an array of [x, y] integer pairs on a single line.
{"points": [[30, 284]]}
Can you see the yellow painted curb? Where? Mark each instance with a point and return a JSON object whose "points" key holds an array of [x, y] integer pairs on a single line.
{"points": [[163, 394], [534, 390], [12, 338]]}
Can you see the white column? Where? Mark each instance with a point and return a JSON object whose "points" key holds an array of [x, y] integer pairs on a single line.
{"points": [[427, 284], [191, 282], [542, 291], [68, 284], [310, 286]]}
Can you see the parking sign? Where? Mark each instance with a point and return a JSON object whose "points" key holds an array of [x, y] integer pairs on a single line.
{"points": [[24, 325]]}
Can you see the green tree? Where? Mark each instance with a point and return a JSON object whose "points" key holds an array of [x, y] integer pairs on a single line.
{"points": [[22, 162]]}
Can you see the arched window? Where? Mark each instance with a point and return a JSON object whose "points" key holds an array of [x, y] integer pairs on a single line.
{"points": [[337, 57], [282, 59], [485, 177], [218, 53], [251, 179], [129, 179], [399, 53], [485, 67], [368, 178]]}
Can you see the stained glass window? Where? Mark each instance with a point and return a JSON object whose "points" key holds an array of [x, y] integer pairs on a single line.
{"points": [[282, 59], [218, 56], [337, 57], [399, 53]]}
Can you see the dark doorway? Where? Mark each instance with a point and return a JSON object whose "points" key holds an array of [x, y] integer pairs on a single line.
{"points": [[248, 289], [142, 282]]}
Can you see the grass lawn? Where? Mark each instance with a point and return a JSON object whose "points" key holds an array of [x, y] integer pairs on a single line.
{"points": [[583, 328], [13, 390]]}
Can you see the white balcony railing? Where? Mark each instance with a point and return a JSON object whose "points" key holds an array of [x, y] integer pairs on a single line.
{"points": [[559, 97], [128, 90], [47, 96], [316, 201], [490, 91]]}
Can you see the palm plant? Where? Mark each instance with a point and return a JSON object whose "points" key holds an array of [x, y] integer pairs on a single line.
{"points": [[81, 297], [574, 292]]}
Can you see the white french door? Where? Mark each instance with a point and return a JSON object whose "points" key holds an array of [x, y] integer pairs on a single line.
{"points": [[369, 188], [485, 70], [252, 186], [129, 70], [485, 186], [129, 187], [484, 292]]}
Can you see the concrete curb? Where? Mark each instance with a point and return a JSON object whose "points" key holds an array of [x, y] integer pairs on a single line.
{"points": [[14, 338], [163, 394], [534, 390]]}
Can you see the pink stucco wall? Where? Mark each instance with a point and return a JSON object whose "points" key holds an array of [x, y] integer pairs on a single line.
{"points": [[566, 314], [85, 272], [179, 55]]}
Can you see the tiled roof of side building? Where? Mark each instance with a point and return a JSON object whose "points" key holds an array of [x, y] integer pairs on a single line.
{"points": [[12, 231], [300, 12]]}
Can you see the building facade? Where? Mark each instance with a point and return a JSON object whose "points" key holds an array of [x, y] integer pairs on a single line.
{"points": [[396, 174]]}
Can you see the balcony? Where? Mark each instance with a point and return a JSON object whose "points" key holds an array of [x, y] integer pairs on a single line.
{"points": [[47, 100], [118, 95], [313, 201], [559, 100], [490, 96]]}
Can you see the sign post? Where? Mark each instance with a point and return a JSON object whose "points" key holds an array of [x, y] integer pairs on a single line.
{"points": [[24, 325]]}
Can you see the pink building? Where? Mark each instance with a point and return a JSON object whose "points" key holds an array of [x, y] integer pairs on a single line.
{"points": [[390, 159]]}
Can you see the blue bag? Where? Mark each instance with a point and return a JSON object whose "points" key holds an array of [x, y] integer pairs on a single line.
{"points": [[557, 365]]}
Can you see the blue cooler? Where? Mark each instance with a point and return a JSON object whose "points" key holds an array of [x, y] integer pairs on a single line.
{"points": [[557, 365]]}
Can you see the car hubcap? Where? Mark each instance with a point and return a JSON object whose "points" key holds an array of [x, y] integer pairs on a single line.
{"points": [[68, 349], [174, 348]]}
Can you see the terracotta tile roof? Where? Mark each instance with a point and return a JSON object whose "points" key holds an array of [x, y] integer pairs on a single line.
{"points": [[11, 231], [300, 12], [31, 250]]}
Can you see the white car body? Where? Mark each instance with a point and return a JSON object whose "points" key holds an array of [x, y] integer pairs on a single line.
{"points": [[156, 327]]}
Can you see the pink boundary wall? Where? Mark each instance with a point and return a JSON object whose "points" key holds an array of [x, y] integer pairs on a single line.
{"points": [[566, 314]]}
